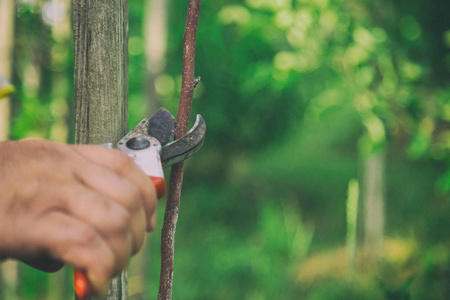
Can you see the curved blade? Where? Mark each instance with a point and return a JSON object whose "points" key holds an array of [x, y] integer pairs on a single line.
{"points": [[184, 147], [162, 126]]}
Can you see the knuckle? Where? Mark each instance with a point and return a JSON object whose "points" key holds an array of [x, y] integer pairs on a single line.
{"points": [[122, 221], [133, 198], [122, 160], [87, 236]]}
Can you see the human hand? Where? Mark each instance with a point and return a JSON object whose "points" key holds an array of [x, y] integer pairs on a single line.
{"points": [[84, 205]]}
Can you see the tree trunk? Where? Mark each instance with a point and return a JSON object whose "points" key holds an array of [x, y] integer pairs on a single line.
{"points": [[101, 81]]}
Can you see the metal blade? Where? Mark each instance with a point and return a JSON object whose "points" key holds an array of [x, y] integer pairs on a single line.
{"points": [[184, 147], [162, 126]]}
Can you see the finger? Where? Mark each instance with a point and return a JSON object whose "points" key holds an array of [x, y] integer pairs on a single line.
{"points": [[124, 232], [70, 240], [119, 192], [116, 188], [120, 163]]}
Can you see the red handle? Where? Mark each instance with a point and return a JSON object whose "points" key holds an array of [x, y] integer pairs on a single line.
{"points": [[80, 284], [160, 186]]}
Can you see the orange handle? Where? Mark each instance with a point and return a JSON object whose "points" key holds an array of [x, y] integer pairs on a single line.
{"points": [[160, 186], [80, 284]]}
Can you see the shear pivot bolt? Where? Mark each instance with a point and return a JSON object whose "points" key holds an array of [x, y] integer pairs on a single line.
{"points": [[138, 143]]}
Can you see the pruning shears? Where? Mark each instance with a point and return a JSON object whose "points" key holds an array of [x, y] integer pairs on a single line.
{"points": [[150, 147]]}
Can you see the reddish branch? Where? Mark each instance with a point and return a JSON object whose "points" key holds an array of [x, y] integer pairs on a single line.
{"points": [[176, 172]]}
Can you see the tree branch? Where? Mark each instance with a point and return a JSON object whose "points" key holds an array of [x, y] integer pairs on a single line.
{"points": [[176, 173]]}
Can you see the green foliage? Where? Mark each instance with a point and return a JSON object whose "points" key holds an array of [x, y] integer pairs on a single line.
{"points": [[342, 291]]}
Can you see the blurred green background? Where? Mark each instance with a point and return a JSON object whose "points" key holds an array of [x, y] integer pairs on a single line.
{"points": [[325, 173]]}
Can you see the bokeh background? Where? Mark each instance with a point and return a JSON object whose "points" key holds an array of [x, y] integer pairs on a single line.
{"points": [[325, 173]]}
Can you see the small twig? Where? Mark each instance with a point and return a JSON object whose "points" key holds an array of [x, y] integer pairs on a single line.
{"points": [[176, 172]]}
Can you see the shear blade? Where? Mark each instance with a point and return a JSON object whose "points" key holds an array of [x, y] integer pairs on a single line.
{"points": [[186, 146], [162, 126]]}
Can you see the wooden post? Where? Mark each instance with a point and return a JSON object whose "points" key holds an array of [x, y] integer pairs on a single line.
{"points": [[100, 30]]}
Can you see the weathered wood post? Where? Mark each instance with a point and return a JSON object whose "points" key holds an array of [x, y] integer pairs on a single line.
{"points": [[100, 32]]}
